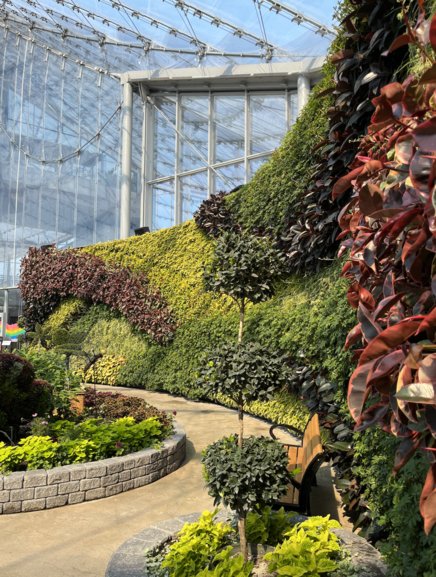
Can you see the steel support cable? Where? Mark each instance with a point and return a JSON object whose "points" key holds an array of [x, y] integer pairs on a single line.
{"points": [[62, 159], [220, 22], [56, 52], [189, 141], [201, 49], [269, 53], [299, 17]]}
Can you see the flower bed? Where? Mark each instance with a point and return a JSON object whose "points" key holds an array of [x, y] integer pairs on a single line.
{"points": [[39, 489], [364, 560]]}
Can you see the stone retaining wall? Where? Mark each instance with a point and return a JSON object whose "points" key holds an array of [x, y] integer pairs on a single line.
{"points": [[44, 489]]}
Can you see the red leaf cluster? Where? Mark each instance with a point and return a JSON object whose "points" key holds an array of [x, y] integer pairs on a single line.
{"points": [[49, 275], [389, 229], [369, 29]]}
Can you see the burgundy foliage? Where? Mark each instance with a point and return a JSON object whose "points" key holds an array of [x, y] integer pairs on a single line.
{"points": [[49, 275], [213, 217], [370, 28], [115, 406], [389, 229]]}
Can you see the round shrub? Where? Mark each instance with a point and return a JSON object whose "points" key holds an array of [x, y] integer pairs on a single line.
{"points": [[21, 396], [248, 478], [244, 372], [40, 397], [244, 267]]}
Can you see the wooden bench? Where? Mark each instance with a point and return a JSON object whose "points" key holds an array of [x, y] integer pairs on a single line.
{"points": [[307, 457]]}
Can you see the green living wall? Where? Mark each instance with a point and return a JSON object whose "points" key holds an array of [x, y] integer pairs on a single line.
{"points": [[308, 319]]}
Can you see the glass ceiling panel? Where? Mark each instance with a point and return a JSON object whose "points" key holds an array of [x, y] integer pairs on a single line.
{"points": [[121, 35]]}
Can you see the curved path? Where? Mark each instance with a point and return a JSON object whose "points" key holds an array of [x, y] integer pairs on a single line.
{"points": [[78, 540]]}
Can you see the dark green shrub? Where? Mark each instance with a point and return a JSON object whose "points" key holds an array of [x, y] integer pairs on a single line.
{"points": [[244, 267], [21, 396], [244, 372], [41, 397], [50, 366], [394, 504], [248, 478]]}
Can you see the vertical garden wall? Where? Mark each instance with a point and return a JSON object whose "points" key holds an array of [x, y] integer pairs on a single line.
{"points": [[290, 200]]}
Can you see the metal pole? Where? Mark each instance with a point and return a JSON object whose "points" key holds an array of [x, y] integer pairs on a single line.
{"points": [[126, 160], [303, 85]]}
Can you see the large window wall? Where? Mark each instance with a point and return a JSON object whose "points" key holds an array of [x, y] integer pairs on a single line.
{"points": [[59, 153], [206, 142]]}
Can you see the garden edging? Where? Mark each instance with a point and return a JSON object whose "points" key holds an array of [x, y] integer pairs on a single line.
{"points": [[39, 489]]}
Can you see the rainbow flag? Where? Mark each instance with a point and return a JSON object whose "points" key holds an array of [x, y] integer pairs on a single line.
{"points": [[13, 332]]}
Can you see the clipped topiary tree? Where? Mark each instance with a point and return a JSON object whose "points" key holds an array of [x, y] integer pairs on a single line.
{"points": [[244, 372], [245, 268], [245, 478]]}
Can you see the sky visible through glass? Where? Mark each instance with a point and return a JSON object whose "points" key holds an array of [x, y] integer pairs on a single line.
{"points": [[118, 35]]}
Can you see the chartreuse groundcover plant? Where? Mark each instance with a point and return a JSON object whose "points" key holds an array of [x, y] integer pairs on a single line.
{"points": [[208, 548], [308, 550], [67, 442]]}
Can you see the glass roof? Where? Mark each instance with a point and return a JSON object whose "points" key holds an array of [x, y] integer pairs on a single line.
{"points": [[119, 35]]}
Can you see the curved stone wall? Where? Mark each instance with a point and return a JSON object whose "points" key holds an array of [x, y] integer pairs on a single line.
{"points": [[45, 489]]}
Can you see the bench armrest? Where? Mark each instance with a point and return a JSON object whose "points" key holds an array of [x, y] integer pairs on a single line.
{"points": [[295, 483], [290, 428]]}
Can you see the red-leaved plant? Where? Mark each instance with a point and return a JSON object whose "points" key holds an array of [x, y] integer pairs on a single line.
{"points": [[48, 275], [389, 229]]}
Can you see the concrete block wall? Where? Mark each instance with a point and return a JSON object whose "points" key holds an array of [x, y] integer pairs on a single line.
{"points": [[45, 489]]}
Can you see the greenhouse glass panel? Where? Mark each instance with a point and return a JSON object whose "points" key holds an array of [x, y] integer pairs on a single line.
{"points": [[194, 129], [256, 163], [267, 122], [193, 190], [230, 176], [60, 153], [163, 204], [293, 107], [164, 141], [229, 120]]}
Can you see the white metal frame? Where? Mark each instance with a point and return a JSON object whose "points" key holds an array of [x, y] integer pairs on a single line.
{"points": [[249, 80], [212, 166]]}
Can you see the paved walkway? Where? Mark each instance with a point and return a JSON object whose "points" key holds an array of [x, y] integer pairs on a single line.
{"points": [[79, 540]]}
